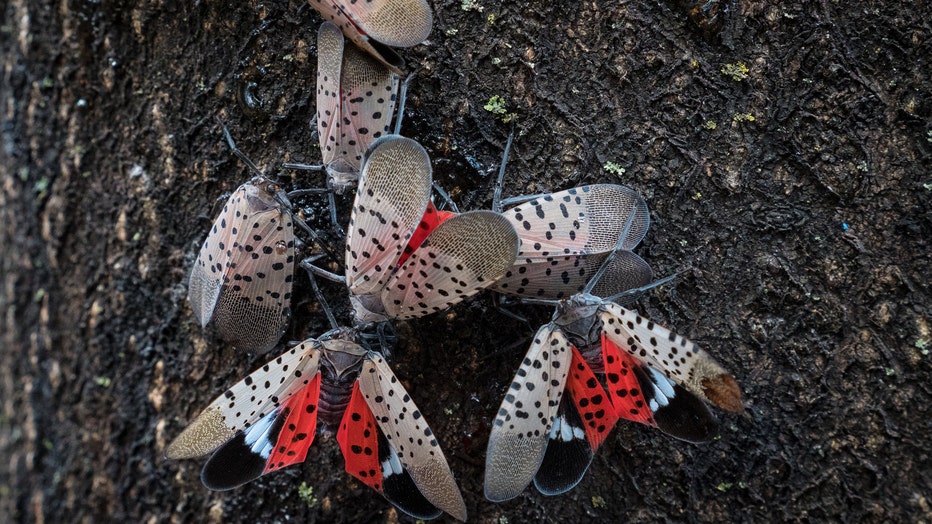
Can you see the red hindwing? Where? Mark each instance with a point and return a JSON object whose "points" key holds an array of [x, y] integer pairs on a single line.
{"points": [[358, 439], [432, 218], [299, 429], [623, 386], [593, 405]]}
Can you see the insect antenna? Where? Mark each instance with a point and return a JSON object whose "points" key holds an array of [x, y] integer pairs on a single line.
{"points": [[308, 265], [638, 291], [388, 338], [445, 197], [304, 192], [236, 151], [501, 301], [305, 167]]}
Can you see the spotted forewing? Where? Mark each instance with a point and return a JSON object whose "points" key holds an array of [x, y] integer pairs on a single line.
{"points": [[461, 256], [377, 25], [521, 429], [566, 236], [355, 103], [243, 275], [394, 190]]}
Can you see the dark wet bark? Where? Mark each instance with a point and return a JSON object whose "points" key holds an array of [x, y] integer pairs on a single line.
{"points": [[794, 196]]}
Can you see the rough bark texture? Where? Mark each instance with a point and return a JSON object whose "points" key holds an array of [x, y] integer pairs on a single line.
{"points": [[794, 198]]}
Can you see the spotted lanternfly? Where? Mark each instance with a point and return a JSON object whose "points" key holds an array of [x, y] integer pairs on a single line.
{"points": [[355, 103], [243, 274], [374, 25], [458, 258], [557, 413], [566, 236], [268, 421]]}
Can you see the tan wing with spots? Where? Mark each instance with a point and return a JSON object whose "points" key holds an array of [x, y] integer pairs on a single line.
{"points": [[585, 219], [248, 401], [564, 276], [521, 430], [566, 236], [676, 357], [329, 115], [394, 189], [355, 103], [377, 24], [408, 433], [243, 276], [396, 23], [461, 257], [212, 262], [368, 90]]}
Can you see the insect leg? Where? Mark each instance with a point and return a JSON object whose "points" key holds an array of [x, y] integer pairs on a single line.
{"points": [[402, 96], [306, 264], [497, 194]]}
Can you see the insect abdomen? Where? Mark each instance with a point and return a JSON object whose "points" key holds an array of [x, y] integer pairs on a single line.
{"points": [[334, 397]]}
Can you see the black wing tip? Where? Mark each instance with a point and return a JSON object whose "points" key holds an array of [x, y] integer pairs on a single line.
{"points": [[420, 515], [231, 466], [413, 503], [401, 491], [564, 466], [693, 433], [687, 418], [556, 486], [223, 479]]}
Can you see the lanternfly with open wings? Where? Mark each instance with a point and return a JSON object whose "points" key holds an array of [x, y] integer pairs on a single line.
{"points": [[268, 421], [390, 278], [557, 413]]}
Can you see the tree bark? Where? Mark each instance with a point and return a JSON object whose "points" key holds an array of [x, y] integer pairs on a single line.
{"points": [[786, 163]]}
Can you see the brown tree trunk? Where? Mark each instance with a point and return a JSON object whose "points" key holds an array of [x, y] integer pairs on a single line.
{"points": [[786, 164]]}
